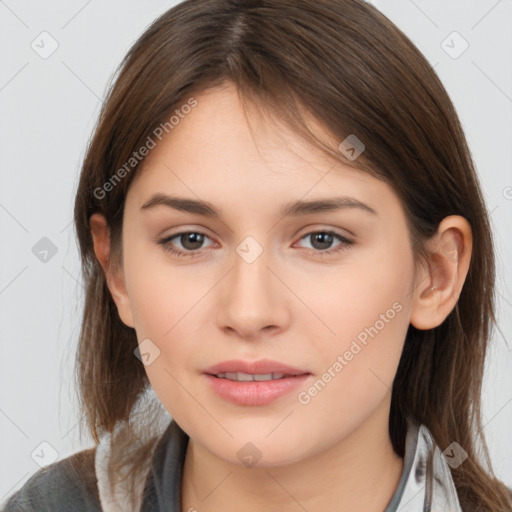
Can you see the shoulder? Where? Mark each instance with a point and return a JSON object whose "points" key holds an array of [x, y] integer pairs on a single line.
{"points": [[66, 485]]}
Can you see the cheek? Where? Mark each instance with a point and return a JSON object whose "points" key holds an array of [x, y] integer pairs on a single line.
{"points": [[162, 300], [162, 294], [367, 297], [359, 365], [365, 319]]}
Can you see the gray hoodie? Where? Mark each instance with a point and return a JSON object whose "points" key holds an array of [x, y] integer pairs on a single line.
{"points": [[79, 483]]}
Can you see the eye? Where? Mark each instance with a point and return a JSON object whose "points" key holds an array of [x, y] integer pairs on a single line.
{"points": [[321, 240], [190, 241]]}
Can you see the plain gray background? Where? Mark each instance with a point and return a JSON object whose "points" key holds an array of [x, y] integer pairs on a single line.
{"points": [[48, 109]]}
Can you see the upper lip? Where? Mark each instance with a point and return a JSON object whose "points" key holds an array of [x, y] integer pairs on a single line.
{"points": [[263, 366]]}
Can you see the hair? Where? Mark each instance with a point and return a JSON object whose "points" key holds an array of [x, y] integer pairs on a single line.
{"points": [[345, 64]]}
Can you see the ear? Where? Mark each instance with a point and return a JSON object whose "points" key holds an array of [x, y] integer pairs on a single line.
{"points": [[114, 277], [437, 288]]}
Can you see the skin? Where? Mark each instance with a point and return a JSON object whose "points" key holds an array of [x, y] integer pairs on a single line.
{"points": [[291, 305]]}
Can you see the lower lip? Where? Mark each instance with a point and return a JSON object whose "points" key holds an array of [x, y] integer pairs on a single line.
{"points": [[254, 392]]}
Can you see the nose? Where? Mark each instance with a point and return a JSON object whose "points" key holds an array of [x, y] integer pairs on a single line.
{"points": [[253, 301]]}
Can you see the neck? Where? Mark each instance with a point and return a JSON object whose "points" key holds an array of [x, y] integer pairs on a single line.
{"points": [[360, 473]]}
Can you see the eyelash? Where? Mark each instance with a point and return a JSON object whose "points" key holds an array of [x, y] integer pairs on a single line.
{"points": [[345, 244]]}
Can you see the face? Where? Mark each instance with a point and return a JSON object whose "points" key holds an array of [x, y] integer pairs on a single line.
{"points": [[326, 292]]}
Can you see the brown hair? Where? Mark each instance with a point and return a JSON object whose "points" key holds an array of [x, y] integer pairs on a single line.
{"points": [[346, 64]]}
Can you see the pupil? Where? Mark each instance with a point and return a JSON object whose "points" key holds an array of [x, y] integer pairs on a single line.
{"points": [[196, 240], [324, 238]]}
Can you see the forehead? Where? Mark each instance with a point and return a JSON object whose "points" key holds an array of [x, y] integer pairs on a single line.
{"points": [[220, 128], [219, 150]]}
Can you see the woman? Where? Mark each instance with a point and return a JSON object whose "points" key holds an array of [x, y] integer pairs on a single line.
{"points": [[342, 374]]}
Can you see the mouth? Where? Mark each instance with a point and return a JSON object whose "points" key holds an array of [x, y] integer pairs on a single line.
{"points": [[263, 367], [249, 377], [253, 383]]}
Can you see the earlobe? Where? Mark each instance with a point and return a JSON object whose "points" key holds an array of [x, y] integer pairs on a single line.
{"points": [[438, 287], [115, 280]]}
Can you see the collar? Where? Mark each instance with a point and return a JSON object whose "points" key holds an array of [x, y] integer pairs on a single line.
{"points": [[426, 484]]}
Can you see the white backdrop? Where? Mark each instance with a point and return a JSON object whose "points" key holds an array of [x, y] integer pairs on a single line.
{"points": [[56, 60]]}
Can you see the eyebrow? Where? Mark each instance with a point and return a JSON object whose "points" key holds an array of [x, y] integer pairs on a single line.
{"points": [[293, 209]]}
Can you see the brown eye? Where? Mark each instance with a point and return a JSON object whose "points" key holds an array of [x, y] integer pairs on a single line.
{"points": [[321, 241], [191, 242]]}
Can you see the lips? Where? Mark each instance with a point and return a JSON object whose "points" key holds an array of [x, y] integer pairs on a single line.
{"points": [[254, 383], [261, 367]]}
